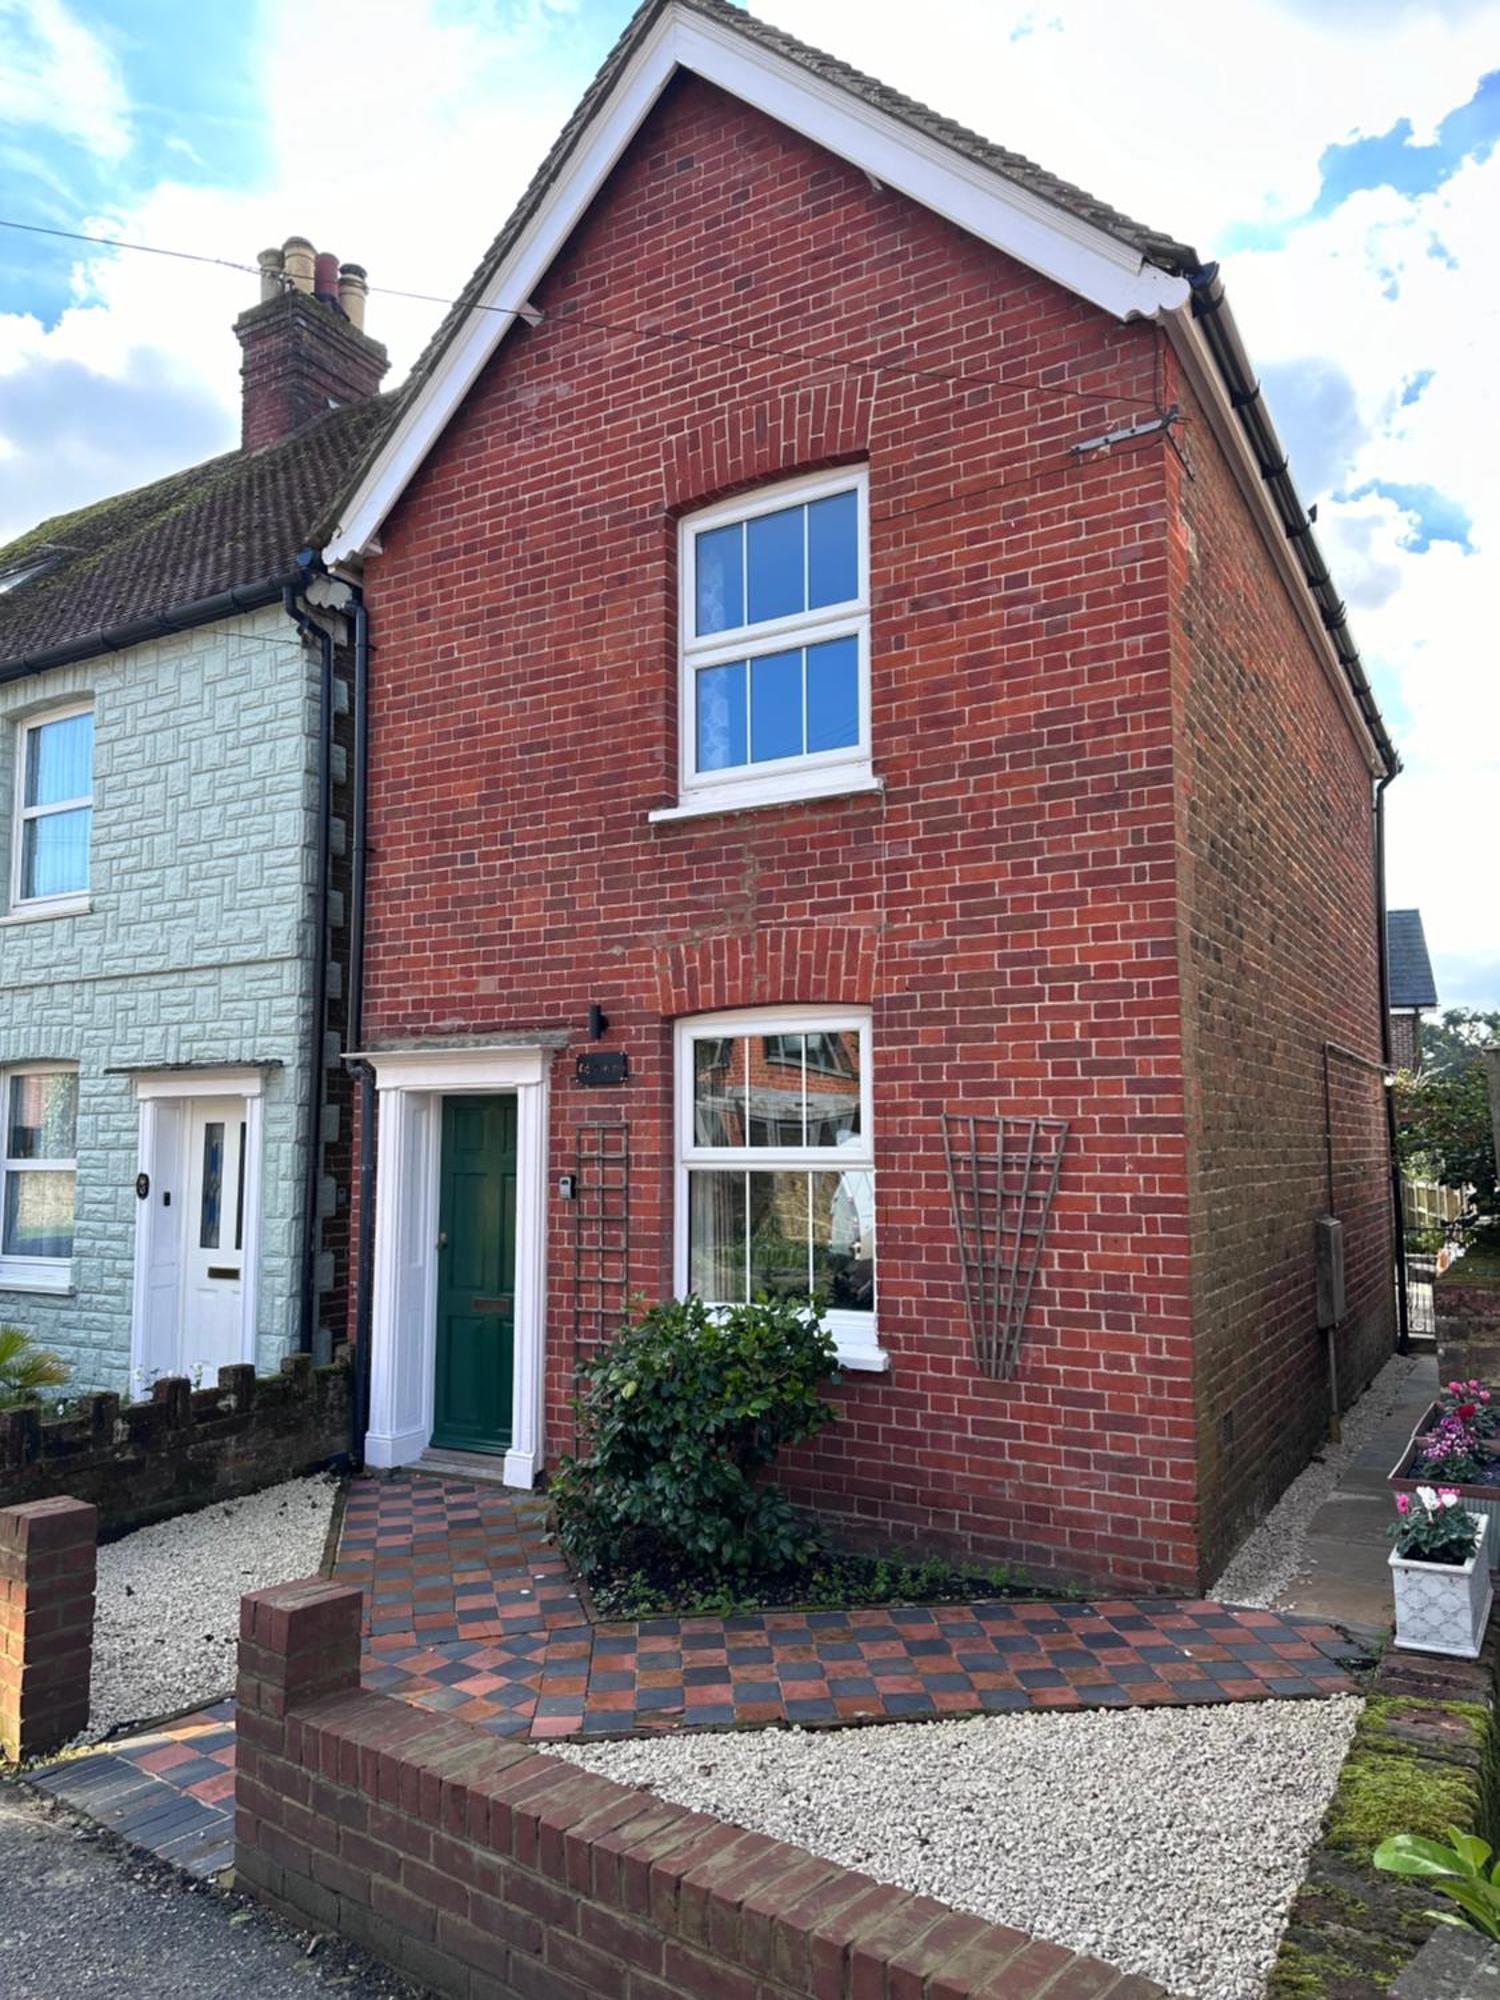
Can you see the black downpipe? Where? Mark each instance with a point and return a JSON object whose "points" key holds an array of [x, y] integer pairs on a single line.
{"points": [[364, 1261], [1387, 1051], [311, 629]]}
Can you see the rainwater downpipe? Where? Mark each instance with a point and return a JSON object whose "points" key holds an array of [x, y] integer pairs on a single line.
{"points": [[1387, 1052], [310, 628], [364, 1253]]}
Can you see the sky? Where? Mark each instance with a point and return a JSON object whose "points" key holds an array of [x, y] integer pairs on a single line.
{"points": [[1339, 157]]}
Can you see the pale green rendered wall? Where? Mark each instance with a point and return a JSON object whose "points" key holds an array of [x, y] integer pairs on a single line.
{"points": [[197, 948]]}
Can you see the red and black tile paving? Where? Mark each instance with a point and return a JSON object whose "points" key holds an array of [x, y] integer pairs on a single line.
{"points": [[471, 1611]]}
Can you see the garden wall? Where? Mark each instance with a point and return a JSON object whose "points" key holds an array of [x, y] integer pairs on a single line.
{"points": [[1425, 1757], [185, 1447], [489, 1871]]}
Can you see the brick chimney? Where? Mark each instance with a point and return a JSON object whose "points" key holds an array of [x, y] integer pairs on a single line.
{"points": [[305, 348]]}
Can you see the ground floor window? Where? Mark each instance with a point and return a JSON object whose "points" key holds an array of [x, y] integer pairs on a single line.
{"points": [[776, 1164], [38, 1174]]}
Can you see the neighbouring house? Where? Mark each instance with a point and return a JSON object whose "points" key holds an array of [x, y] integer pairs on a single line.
{"points": [[857, 709], [173, 736], [1413, 990]]}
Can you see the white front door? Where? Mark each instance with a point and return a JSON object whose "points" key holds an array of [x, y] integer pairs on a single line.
{"points": [[213, 1239]]}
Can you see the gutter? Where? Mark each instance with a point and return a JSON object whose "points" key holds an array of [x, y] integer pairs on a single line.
{"points": [[160, 625], [1215, 324]]}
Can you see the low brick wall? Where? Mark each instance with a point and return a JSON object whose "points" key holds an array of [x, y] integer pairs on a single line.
{"points": [[1424, 1758], [1466, 1311], [186, 1447], [490, 1871], [47, 1575]]}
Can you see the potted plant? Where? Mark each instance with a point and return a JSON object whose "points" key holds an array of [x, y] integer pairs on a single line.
{"points": [[1455, 1443], [1440, 1572]]}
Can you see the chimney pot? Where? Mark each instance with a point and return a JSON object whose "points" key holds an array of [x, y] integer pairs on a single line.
{"points": [[302, 355], [299, 262], [353, 291]]}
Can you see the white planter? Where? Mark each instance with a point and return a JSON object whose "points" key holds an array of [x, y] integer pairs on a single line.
{"points": [[1441, 1608]]}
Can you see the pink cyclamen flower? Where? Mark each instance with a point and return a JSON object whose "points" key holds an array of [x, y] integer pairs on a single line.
{"points": [[1455, 1388], [1484, 1395], [1403, 1503]]}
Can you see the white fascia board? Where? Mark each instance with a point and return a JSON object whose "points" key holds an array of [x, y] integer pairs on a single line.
{"points": [[1208, 384], [1077, 256]]}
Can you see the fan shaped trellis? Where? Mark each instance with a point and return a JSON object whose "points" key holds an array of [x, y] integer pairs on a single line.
{"points": [[1002, 1177]]}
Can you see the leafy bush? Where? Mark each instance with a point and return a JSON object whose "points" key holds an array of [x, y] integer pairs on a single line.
{"points": [[26, 1369], [679, 1416], [1457, 1871]]}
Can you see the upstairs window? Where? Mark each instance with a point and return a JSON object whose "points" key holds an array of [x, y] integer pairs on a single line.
{"points": [[774, 692], [54, 809]]}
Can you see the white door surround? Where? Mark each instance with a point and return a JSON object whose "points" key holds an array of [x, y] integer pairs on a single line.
{"points": [[164, 1214], [412, 1084]]}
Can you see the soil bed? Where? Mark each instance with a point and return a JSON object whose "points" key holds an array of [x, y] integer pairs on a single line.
{"points": [[830, 1580]]}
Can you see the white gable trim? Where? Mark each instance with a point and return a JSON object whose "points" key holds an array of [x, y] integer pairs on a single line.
{"points": [[1083, 259]]}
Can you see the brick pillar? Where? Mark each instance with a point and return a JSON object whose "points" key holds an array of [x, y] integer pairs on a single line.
{"points": [[297, 1641], [47, 1568]]}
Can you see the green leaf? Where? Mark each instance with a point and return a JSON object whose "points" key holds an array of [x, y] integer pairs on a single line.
{"points": [[1411, 1854]]}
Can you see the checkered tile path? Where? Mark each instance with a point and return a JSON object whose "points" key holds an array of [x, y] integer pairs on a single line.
{"points": [[472, 1612], [171, 1790]]}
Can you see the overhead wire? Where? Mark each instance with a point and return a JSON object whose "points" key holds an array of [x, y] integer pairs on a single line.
{"points": [[857, 364]]}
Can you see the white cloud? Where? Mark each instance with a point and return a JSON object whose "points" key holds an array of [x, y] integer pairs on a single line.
{"points": [[58, 76], [408, 153]]}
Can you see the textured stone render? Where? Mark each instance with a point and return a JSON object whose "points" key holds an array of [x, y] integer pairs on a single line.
{"points": [[197, 947]]}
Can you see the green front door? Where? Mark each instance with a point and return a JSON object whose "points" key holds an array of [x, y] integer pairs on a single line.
{"points": [[476, 1318]]}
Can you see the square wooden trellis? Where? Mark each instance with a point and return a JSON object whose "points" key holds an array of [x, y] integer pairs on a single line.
{"points": [[601, 1232], [1002, 1178]]}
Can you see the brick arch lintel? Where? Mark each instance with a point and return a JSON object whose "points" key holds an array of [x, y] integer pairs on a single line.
{"points": [[789, 965], [744, 444]]}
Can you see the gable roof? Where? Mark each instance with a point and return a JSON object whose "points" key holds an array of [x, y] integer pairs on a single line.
{"points": [[1410, 968], [999, 197], [107, 574]]}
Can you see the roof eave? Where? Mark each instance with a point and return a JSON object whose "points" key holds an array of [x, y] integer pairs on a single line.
{"points": [[1077, 254], [157, 625]]}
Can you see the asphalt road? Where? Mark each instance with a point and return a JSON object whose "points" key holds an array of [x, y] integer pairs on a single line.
{"points": [[82, 1916]]}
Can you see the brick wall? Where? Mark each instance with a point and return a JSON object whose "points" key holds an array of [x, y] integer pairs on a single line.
{"points": [[182, 1447], [1008, 906], [1278, 941], [47, 1570], [486, 1870]]}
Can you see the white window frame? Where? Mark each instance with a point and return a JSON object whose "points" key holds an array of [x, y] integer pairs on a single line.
{"points": [[810, 774], [856, 1335], [70, 900], [34, 1274]]}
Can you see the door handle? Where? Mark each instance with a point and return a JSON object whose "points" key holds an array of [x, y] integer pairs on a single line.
{"points": [[442, 1242]]}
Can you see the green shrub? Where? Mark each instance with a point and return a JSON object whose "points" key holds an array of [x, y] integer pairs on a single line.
{"points": [[679, 1416], [1458, 1871], [26, 1369]]}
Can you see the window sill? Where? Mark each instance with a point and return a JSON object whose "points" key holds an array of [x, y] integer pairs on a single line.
{"points": [[846, 783], [25, 1277], [26, 913], [862, 1360]]}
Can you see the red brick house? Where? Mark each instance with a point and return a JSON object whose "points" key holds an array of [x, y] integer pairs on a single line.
{"points": [[842, 660]]}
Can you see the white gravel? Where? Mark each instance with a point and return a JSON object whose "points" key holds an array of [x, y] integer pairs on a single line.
{"points": [[1264, 1564], [168, 1609], [1168, 1842]]}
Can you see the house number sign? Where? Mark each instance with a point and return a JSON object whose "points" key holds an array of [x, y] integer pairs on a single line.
{"points": [[603, 1066]]}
